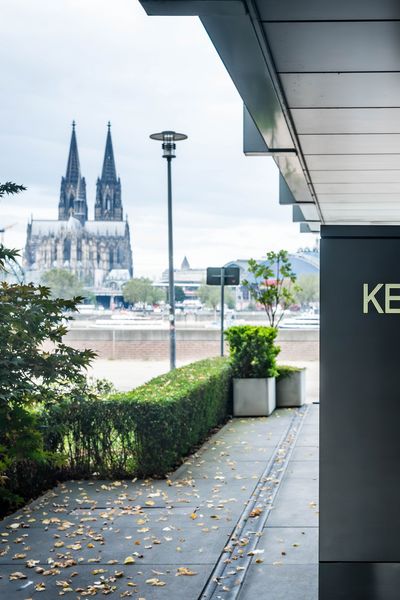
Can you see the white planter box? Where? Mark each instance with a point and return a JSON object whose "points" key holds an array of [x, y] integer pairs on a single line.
{"points": [[253, 397], [291, 390]]}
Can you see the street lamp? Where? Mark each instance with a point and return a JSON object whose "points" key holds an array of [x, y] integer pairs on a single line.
{"points": [[168, 139]]}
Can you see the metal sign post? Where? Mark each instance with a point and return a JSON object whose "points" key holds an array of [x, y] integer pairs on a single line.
{"points": [[223, 276]]}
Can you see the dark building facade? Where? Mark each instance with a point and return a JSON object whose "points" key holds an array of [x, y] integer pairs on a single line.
{"points": [[99, 251]]}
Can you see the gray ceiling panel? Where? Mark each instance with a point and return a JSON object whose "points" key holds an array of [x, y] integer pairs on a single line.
{"points": [[335, 46], [305, 212], [357, 188], [355, 176], [240, 52], [351, 162], [367, 199], [346, 120], [309, 10], [351, 144], [290, 167], [330, 90]]}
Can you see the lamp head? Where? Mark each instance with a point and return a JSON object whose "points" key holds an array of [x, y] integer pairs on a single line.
{"points": [[168, 139]]}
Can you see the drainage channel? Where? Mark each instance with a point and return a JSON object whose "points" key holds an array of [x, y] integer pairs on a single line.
{"points": [[225, 582]]}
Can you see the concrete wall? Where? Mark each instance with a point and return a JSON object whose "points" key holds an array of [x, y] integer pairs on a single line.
{"points": [[152, 344]]}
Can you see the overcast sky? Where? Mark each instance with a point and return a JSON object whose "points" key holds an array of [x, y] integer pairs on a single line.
{"points": [[96, 60]]}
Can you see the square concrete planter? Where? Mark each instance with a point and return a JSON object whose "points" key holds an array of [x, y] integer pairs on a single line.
{"points": [[291, 390], [253, 397]]}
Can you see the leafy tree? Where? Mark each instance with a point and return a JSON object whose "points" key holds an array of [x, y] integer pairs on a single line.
{"points": [[274, 286], [29, 372], [309, 289], [141, 289], [179, 294], [210, 295], [63, 284]]}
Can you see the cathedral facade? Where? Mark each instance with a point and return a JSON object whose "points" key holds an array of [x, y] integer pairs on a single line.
{"points": [[99, 251]]}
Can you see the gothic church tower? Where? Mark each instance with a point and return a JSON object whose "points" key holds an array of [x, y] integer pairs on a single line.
{"points": [[73, 187], [108, 205]]}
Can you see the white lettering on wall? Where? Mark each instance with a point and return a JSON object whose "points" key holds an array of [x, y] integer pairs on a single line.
{"points": [[370, 301]]}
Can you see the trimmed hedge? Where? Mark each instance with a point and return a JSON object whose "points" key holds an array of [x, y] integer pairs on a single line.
{"points": [[146, 431]]}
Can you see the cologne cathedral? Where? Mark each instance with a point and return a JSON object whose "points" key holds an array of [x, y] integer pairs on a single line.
{"points": [[98, 251]]}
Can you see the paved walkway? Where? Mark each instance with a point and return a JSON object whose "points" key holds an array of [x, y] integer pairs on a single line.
{"points": [[164, 539]]}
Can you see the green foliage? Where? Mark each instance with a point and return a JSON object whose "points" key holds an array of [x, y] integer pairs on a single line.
{"points": [[91, 432], [210, 295], [29, 318], [308, 289], [252, 351], [10, 188], [179, 294], [63, 284], [175, 412], [274, 286], [143, 432], [7, 255], [141, 290], [285, 371]]}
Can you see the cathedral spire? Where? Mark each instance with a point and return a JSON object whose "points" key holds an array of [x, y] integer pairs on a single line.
{"points": [[73, 167], [108, 205], [109, 172], [73, 186]]}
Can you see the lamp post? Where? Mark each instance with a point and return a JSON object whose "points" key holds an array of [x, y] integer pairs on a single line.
{"points": [[168, 139]]}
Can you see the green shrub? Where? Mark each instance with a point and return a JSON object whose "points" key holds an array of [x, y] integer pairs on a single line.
{"points": [[252, 351], [175, 412], [30, 319], [143, 432], [285, 371]]}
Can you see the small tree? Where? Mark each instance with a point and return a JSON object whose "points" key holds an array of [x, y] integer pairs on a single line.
{"points": [[274, 284], [210, 295], [309, 289], [141, 289], [179, 294], [63, 284], [30, 372]]}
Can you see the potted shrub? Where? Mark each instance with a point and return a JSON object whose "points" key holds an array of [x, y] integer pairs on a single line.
{"points": [[253, 361], [290, 386], [273, 286]]}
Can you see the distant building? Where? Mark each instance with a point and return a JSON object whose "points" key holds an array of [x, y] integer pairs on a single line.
{"points": [[99, 251], [186, 278], [304, 262]]}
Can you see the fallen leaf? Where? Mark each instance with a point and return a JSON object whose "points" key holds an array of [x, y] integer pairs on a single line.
{"points": [[185, 571], [155, 582], [17, 575], [129, 560], [40, 587]]}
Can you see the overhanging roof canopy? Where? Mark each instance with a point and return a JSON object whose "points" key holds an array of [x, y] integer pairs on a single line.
{"points": [[320, 82]]}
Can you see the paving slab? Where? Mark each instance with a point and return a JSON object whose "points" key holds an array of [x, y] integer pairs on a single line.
{"points": [[281, 582], [303, 468], [289, 545], [305, 453]]}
